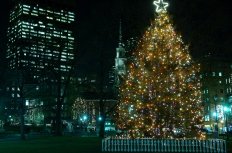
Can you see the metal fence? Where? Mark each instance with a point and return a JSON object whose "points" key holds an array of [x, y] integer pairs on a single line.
{"points": [[163, 145]]}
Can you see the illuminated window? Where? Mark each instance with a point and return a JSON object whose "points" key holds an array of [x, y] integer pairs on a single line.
{"points": [[48, 17], [206, 117], [220, 74], [26, 6], [57, 13], [41, 32], [71, 13], [27, 103], [25, 12], [71, 19], [71, 38], [35, 11], [71, 16], [214, 73], [34, 14], [41, 9]]}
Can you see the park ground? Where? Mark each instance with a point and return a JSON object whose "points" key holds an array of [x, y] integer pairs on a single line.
{"points": [[65, 144]]}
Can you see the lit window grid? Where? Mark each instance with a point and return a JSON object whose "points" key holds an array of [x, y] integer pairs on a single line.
{"points": [[61, 16], [26, 30]]}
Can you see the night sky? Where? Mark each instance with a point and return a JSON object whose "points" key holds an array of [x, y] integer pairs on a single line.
{"points": [[204, 24]]}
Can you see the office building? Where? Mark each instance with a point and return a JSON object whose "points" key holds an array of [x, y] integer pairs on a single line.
{"points": [[41, 47], [41, 36], [216, 78]]}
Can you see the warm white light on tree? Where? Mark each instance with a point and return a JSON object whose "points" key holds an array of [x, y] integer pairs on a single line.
{"points": [[161, 93]]}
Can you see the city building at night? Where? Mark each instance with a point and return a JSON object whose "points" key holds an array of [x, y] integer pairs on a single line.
{"points": [[86, 107], [40, 36], [216, 79], [41, 46]]}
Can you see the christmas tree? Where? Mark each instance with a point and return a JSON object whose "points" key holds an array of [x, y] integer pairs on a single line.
{"points": [[160, 96]]}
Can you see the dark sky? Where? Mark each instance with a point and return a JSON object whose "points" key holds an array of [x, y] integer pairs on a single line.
{"points": [[204, 24]]}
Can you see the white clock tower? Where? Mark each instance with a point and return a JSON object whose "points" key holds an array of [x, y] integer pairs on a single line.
{"points": [[120, 59]]}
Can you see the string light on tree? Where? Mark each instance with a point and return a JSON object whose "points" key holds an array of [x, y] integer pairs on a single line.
{"points": [[160, 5], [161, 93]]}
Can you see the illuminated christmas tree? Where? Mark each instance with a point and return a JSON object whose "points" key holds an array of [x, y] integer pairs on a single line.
{"points": [[160, 96]]}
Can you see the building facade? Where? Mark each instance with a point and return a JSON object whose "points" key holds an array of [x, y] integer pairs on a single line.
{"points": [[41, 47], [120, 60], [40, 36], [216, 78]]}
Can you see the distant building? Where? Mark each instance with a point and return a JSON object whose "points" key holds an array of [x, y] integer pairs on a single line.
{"points": [[216, 78], [120, 60], [124, 55], [86, 106], [41, 36], [40, 48]]}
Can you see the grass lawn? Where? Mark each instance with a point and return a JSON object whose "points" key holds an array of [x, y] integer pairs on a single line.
{"points": [[65, 144], [53, 145]]}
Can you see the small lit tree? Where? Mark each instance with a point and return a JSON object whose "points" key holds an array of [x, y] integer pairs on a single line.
{"points": [[82, 110]]}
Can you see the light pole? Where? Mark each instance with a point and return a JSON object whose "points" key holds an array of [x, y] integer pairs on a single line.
{"points": [[226, 110], [216, 134]]}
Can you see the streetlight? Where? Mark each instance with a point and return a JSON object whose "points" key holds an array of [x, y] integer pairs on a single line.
{"points": [[216, 117], [100, 118], [226, 110], [84, 118]]}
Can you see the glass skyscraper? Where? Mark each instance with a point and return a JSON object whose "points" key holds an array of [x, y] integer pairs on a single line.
{"points": [[41, 36]]}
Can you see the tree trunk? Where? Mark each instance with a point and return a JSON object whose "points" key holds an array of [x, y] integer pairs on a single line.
{"points": [[22, 111], [58, 128], [102, 122], [58, 124], [101, 103]]}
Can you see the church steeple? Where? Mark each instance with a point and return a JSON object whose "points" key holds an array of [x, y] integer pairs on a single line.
{"points": [[120, 59], [120, 34], [120, 51]]}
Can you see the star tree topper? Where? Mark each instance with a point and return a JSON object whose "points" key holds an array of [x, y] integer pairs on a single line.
{"points": [[160, 5]]}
